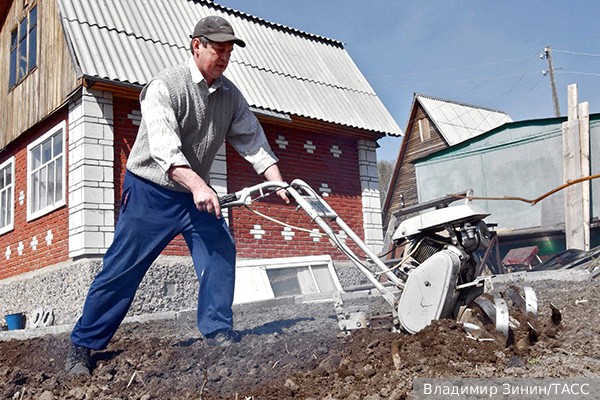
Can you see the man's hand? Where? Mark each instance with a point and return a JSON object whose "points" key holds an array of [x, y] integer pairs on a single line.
{"points": [[283, 196], [273, 174], [205, 198]]}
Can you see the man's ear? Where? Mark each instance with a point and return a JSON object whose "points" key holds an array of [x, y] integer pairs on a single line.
{"points": [[196, 43]]}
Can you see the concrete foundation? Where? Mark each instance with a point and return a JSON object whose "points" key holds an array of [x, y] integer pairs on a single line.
{"points": [[169, 286]]}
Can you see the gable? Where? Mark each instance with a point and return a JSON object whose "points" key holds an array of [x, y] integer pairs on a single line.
{"points": [[458, 122], [421, 139], [434, 124], [33, 93]]}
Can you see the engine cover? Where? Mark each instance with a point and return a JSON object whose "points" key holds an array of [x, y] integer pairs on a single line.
{"points": [[430, 291], [436, 220]]}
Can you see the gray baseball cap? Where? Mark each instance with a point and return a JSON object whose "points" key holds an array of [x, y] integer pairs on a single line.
{"points": [[216, 29]]}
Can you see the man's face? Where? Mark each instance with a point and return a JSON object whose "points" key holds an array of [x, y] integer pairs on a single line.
{"points": [[212, 59]]}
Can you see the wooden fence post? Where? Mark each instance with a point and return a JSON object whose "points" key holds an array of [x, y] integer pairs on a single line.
{"points": [[584, 139], [576, 164]]}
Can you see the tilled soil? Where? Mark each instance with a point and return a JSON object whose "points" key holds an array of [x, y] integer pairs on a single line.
{"points": [[297, 352]]}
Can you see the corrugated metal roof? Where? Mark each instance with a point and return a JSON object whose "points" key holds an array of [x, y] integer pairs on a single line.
{"points": [[281, 69], [459, 122]]}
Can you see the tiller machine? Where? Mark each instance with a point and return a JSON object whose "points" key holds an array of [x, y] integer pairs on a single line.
{"points": [[439, 276]]}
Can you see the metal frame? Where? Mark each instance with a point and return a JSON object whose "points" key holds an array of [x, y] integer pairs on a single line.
{"points": [[321, 213]]}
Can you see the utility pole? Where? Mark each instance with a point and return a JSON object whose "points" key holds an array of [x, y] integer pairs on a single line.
{"points": [[548, 55]]}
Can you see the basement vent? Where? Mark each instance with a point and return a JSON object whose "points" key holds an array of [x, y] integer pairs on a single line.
{"points": [[170, 289], [285, 277], [299, 281]]}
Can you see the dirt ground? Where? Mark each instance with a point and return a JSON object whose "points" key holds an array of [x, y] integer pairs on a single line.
{"points": [[297, 352]]}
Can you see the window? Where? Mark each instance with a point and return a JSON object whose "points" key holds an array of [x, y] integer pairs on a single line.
{"points": [[300, 280], [46, 173], [7, 195], [262, 279], [23, 48], [424, 131]]}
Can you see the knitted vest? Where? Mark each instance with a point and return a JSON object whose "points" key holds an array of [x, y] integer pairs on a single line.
{"points": [[203, 124]]}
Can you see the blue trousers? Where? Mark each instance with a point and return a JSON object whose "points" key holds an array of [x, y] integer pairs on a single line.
{"points": [[150, 217]]}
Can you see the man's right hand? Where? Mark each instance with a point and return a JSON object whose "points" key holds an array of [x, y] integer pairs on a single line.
{"points": [[205, 198]]}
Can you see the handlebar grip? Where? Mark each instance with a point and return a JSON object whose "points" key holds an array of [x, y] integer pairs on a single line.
{"points": [[228, 198]]}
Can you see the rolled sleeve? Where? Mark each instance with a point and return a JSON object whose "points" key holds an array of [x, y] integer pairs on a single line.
{"points": [[248, 138], [163, 131], [261, 160]]}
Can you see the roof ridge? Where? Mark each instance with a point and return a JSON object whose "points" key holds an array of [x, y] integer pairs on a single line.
{"points": [[461, 103], [274, 25]]}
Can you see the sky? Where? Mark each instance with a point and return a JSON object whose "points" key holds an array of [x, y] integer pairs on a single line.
{"points": [[477, 52]]}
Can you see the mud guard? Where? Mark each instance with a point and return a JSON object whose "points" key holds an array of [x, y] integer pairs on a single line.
{"points": [[430, 291]]}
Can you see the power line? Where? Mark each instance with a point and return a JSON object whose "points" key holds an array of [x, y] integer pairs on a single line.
{"points": [[522, 98], [516, 84], [502, 75], [448, 69], [512, 88], [446, 82], [537, 78], [579, 73], [579, 42], [576, 53]]}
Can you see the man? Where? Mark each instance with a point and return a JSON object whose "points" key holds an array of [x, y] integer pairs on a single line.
{"points": [[187, 113]]}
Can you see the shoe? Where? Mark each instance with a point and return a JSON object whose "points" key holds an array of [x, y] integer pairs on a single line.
{"points": [[224, 338], [79, 361]]}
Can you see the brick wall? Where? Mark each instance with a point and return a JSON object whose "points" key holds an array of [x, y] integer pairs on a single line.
{"points": [[31, 245], [329, 164], [127, 118]]}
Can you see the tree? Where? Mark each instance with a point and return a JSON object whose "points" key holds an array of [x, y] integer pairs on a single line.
{"points": [[385, 171]]}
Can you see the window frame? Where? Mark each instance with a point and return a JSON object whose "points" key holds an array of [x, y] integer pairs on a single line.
{"points": [[424, 129], [10, 163], [32, 37], [13, 60], [48, 208], [253, 272], [23, 46], [304, 276]]}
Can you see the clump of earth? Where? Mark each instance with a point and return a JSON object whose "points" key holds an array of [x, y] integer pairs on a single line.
{"points": [[296, 351]]}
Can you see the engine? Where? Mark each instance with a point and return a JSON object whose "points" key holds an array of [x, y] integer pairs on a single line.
{"points": [[440, 254]]}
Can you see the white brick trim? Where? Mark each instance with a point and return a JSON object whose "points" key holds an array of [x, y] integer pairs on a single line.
{"points": [[325, 189], [288, 233], [49, 237], [34, 243], [336, 151], [257, 232], [91, 163], [310, 147], [369, 180], [281, 142]]}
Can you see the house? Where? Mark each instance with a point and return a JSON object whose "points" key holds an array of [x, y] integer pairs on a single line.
{"points": [[70, 84], [434, 124], [518, 159]]}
